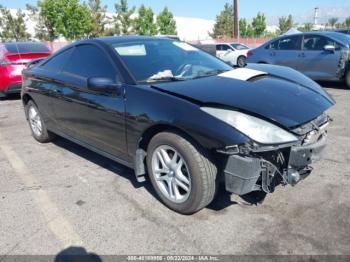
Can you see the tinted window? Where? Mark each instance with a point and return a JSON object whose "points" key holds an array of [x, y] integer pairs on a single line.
{"points": [[225, 47], [90, 61], [218, 47], [58, 61], [286, 43], [25, 48], [317, 42]]}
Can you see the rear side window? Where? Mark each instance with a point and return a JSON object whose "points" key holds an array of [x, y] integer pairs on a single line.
{"points": [[26, 48], [225, 47], [58, 61], [90, 61], [286, 43]]}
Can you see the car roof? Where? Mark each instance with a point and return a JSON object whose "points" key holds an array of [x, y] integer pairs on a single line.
{"points": [[335, 35], [327, 33]]}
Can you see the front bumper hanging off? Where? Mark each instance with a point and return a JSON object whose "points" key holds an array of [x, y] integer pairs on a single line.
{"points": [[264, 171]]}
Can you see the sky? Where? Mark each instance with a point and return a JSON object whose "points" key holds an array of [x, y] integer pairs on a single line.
{"points": [[208, 9]]}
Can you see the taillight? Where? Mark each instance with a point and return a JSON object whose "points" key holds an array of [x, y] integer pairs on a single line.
{"points": [[249, 53], [5, 63]]}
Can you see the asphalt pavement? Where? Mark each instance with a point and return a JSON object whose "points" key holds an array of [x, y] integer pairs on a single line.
{"points": [[59, 195]]}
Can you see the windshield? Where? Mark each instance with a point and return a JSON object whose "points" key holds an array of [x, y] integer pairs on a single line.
{"points": [[239, 46], [166, 60]]}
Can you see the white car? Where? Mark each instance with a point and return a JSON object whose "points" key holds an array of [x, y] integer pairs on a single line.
{"points": [[232, 53]]}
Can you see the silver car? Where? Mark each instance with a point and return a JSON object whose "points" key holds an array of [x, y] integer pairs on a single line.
{"points": [[319, 55]]}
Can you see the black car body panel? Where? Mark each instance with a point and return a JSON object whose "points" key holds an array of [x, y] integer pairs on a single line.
{"points": [[283, 99], [119, 124]]}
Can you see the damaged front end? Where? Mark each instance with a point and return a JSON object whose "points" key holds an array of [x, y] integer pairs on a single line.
{"points": [[256, 167], [344, 63]]}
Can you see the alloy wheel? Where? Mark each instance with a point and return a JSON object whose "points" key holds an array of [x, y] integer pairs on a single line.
{"points": [[171, 174], [35, 121]]}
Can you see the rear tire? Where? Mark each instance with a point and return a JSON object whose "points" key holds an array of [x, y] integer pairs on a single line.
{"points": [[347, 79], [36, 123], [169, 152], [241, 61]]}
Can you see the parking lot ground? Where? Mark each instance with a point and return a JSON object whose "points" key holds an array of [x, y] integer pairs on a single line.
{"points": [[58, 195]]}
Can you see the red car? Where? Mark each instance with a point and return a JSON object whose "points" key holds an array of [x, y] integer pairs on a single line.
{"points": [[13, 58]]}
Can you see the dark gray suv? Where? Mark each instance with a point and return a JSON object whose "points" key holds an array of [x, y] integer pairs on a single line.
{"points": [[319, 55]]}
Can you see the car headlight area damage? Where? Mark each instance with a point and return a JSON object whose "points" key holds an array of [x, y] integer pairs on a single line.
{"points": [[274, 156]]}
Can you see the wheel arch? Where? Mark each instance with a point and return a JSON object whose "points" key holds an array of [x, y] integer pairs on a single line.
{"points": [[146, 137], [25, 100]]}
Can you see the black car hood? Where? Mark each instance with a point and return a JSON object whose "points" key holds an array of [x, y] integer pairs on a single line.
{"points": [[281, 95]]}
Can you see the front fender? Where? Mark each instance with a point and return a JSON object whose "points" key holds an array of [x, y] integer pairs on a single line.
{"points": [[157, 108]]}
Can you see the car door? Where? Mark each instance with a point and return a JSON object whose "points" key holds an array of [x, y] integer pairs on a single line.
{"points": [[285, 51], [222, 50], [318, 63], [46, 80], [94, 118]]}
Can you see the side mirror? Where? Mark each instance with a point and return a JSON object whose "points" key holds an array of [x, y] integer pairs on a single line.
{"points": [[329, 48], [103, 85]]}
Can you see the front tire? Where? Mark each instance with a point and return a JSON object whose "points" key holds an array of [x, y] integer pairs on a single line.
{"points": [[182, 175], [36, 123]]}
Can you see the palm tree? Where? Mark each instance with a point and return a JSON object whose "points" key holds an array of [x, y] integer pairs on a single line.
{"points": [[332, 21]]}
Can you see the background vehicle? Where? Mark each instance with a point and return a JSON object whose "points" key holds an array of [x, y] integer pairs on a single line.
{"points": [[232, 53], [13, 59], [344, 31], [183, 115], [319, 55]]}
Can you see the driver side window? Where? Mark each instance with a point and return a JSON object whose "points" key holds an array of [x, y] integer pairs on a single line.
{"points": [[317, 42]]}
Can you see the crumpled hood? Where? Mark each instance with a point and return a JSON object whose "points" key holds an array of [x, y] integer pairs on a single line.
{"points": [[279, 94]]}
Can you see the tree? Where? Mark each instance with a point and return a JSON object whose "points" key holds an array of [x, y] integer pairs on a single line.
{"points": [[306, 27], [332, 21], [13, 26], [250, 31], [77, 20], [144, 23], [98, 17], [124, 21], [41, 31], [48, 15], [243, 27], [347, 22], [259, 24], [224, 23], [285, 23], [166, 23], [65, 17]]}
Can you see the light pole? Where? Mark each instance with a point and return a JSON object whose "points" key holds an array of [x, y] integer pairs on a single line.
{"points": [[235, 19]]}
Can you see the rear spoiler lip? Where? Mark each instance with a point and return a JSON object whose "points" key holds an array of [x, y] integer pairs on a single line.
{"points": [[33, 62]]}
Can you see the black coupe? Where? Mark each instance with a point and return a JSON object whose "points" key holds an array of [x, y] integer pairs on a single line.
{"points": [[179, 115]]}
